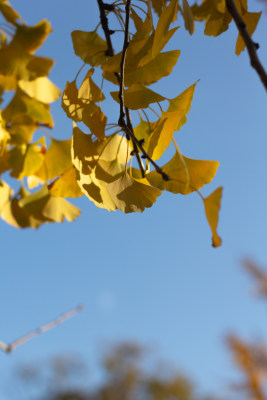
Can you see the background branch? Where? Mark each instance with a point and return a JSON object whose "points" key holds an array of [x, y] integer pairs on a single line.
{"points": [[250, 44], [25, 338]]}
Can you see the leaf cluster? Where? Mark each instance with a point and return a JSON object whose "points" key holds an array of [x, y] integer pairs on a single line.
{"points": [[24, 152]]}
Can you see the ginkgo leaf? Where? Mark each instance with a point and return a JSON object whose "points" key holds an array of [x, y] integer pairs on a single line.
{"points": [[66, 185], [188, 18], [167, 16], [79, 108], [33, 160], [178, 168], [95, 119], [212, 205], [22, 105], [216, 16], [154, 70], [143, 131], [71, 104], [161, 137], [138, 96], [52, 209], [130, 195], [158, 5], [41, 89], [89, 91], [30, 38], [57, 159], [251, 20], [182, 103], [98, 163], [9, 13], [90, 47]]}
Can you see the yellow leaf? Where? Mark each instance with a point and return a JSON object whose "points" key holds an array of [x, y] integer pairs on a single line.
{"points": [[182, 103], [161, 137], [95, 119], [32, 161], [89, 91], [30, 38], [57, 159], [66, 185], [200, 173], [9, 13], [98, 163], [5, 193], [22, 106], [41, 205], [129, 195], [41, 89], [4, 136], [216, 16], [72, 106], [154, 70], [138, 96], [251, 20], [212, 205], [167, 16], [188, 18], [90, 47], [8, 82]]}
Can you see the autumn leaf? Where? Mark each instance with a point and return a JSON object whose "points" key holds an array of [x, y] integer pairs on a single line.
{"points": [[212, 205], [90, 47], [130, 195], [251, 20]]}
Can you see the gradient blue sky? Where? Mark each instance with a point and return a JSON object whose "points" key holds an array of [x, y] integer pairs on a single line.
{"points": [[151, 277]]}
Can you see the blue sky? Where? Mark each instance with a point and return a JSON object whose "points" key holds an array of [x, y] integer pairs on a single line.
{"points": [[151, 277]]}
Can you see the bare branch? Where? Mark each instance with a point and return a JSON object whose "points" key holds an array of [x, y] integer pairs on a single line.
{"points": [[69, 314], [250, 44]]}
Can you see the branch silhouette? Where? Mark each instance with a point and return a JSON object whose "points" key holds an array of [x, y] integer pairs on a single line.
{"points": [[250, 44]]}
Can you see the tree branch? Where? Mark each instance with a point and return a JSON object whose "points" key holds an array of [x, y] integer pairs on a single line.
{"points": [[126, 127], [250, 44], [25, 338]]}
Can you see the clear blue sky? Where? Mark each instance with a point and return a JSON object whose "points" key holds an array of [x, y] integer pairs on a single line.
{"points": [[151, 277]]}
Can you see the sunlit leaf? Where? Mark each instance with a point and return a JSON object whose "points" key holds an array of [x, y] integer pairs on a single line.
{"points": [[154, 70], [95, 119], [212, 205], [57, 158], [41, 89], [71, 104], [94, 172], [129, 195], [182, 103], [33, 160], [200, 173], [66, 185], [89, 91], [138, 96], [90, 47], [251, 20], [167, 16]]}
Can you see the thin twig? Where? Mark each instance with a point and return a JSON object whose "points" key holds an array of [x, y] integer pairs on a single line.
{"points": [[25, 338], [126, 127], [250, 44]]}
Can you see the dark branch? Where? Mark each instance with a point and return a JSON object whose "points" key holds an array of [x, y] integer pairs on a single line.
{"points": [[250, 44], [104, 23]]}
